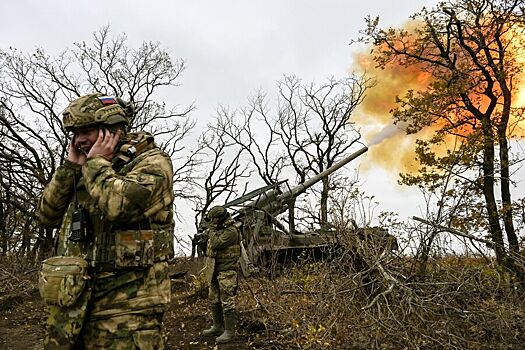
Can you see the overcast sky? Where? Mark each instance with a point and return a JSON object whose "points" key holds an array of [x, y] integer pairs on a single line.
{"points": [[232, 48]]}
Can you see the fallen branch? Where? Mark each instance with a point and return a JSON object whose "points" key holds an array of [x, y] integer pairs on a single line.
{"points": [[453, 231]]}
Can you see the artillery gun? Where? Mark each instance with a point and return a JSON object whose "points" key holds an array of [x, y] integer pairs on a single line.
{"points": [[264, 236]]}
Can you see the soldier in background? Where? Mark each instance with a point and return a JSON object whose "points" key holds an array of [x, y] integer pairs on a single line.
{"points": [[108, 286], [199, 242], [222, 265]]}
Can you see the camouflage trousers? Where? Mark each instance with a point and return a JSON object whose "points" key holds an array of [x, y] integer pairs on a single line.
{"points": [[126, 332], [118, 311], [223, 288]]}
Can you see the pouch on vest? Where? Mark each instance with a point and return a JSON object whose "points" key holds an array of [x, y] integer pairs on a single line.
{"points": [[62, 280], [134, 248]]}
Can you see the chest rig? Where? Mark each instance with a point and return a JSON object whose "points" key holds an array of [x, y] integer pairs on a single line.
{"points": [[111, 246], [233, 251]]}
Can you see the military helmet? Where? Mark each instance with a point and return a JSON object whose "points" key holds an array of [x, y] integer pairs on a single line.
{"points": [[217, 212], [93, 109]]}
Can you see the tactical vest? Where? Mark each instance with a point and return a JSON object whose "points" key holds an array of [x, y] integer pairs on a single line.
{"points": [[139, 244], [228, 258]]}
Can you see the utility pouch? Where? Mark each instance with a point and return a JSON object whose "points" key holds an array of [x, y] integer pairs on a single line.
{"points": [[62, 280], [134, 248]]}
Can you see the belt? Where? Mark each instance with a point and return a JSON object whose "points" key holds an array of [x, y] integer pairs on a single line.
{"points": [[110, 267]]}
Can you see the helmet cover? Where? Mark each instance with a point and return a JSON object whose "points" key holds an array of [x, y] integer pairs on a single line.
{"points": [[91, 110]]}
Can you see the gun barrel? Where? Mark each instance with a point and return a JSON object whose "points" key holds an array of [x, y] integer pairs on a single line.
{"points": [[308, 183], [271, 199]]}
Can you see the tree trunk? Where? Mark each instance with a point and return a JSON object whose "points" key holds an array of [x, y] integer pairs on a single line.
{"points": [[3, 232], [505, 173], [506, 199], [488, 193], [324, 203], [424, 247]]}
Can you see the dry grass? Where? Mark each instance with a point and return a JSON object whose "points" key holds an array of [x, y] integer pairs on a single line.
{"points": [[18, 279], [362, 298], [461, 303]]}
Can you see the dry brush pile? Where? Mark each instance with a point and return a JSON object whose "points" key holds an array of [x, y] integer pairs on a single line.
{"points": [[363, 297], [18, 280], [368, 298]]}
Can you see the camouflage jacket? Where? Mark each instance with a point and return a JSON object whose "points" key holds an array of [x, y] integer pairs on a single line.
{"points": [[117, 199], [224, 246]]}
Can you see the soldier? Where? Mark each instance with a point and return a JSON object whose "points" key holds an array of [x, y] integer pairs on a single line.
{"points": [[222, 260], [199, 242], [108, 286]]}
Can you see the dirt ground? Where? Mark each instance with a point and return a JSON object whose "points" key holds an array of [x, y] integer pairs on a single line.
{"points": [[22, 318], [21, 323]]}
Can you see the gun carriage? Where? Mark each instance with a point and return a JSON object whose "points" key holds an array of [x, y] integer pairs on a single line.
{"points": [[264, 235]]}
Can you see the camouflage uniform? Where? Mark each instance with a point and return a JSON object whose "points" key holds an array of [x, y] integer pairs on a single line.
{"points": [[223, 253], [223, 246], [130, 216]]}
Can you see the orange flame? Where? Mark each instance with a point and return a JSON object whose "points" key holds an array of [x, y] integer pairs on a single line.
{"points": [[392, 148]]}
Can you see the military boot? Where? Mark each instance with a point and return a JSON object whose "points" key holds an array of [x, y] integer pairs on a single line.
{"points": [[229, 327], [218, 322]]}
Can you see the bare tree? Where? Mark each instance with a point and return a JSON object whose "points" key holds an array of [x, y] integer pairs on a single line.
{"points": [[315, 128], [256, 134], [309, 132], [224, 169], [36, 87]]}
